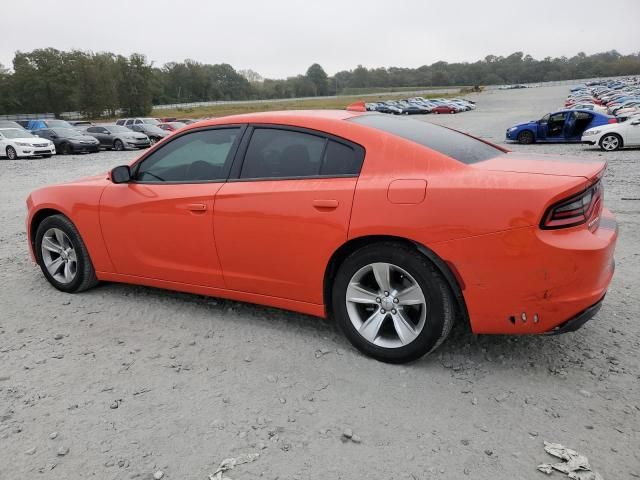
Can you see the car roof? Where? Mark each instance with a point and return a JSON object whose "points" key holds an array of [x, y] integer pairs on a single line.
{"points": [[280, 117]]}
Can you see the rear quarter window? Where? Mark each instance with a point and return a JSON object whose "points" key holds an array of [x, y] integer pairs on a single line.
{"points": [[456, 145]]}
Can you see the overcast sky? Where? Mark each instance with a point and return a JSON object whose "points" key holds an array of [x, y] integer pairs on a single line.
{"points": [[279, 38]]}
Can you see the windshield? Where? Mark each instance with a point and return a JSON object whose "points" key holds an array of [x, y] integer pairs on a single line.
{"points": [[153, 129], [150, 121], [58, 123], [15, 133], [67, 132], [461, 147]]}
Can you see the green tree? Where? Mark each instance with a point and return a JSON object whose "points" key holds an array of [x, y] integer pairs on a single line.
{"points": [[318, 77]]}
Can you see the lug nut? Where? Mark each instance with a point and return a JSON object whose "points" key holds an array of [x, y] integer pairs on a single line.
{"points": [[378, 299], [386, 294], [382, 310], [395, 300], [394, 311]]}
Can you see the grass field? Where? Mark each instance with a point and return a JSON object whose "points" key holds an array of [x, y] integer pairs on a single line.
{"points": [[339, 103]]}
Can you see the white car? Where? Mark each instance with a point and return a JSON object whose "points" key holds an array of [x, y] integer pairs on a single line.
{"points": [[16, 143], [614, 136]]}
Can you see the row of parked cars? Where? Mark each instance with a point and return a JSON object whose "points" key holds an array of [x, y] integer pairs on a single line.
{"points": [[46, 137], [420, 105], [604, 113]]}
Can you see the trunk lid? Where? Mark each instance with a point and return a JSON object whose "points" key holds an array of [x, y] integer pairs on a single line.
{"points": [[518, 162]]}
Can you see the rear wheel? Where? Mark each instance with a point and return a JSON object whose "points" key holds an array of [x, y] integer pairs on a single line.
{"points": [[11, 153], [525, 137], [611, 142], [118, 145], [392, 303], [63, 256], [66, 149]]}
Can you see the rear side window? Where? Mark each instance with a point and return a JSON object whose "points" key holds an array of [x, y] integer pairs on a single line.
{"points": [[275, 153], [280, 153], [454, 144], [341, 159]]}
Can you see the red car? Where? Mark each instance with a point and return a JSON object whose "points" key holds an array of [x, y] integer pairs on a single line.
{"points": [[171, 126], [444, 109], [394, 227]]}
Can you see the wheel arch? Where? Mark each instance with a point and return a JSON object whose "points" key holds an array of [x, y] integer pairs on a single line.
{"points": [[448, 270], [36, 220]]}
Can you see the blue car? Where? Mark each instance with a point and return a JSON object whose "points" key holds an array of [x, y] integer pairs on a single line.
{"points": [[565, 126]]}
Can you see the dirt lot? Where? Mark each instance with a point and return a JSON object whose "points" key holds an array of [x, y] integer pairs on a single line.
{"points": [[122, 381]]}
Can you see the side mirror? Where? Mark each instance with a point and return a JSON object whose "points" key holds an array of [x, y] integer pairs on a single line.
{"points": [[121, 174]]}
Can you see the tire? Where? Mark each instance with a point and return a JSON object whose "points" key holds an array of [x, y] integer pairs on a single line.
{"points": [[152, 141], [526, 137], [611, 142], [118, 146], [66, 149], [11, 153], [82, 275], [430, 317]]}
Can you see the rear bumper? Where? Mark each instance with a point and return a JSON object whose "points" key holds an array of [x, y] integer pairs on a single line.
{"points": [[532, 281], [578, 321]]}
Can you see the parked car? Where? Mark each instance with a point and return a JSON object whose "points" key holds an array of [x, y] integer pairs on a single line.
{"points": [[565, 126], [69, 140], [47, 123], [171, 126], [186, 121], [615, 136], [315, 185], [17, 142], [444, 108], [118, 137], [154, 132], [80, 123], [138, 121]]}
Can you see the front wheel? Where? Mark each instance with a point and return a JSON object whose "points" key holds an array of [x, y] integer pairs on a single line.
{"points": [[66, 149], [611, 142], [525, 137], [152, 140], [11, 153], [63, 256], [392, 303], [118, 146]]}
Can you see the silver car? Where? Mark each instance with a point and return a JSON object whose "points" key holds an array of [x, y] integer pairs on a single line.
{"points": [[118, 137]]}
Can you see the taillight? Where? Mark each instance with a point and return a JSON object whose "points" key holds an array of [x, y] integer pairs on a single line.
{"points": [[612, 120], [574, 210]]}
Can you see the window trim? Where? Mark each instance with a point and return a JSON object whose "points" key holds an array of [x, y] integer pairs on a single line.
{"points": [[236, 168], [233, 151]]}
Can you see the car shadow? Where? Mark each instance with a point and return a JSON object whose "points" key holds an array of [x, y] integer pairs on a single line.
{"points": [[462, 352]]}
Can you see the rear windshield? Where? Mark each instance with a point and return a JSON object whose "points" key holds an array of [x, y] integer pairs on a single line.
{"points": [[454, 144]]}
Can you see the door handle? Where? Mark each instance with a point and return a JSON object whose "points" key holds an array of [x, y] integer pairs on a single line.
{"points": [[328, 204], [197, 207]]}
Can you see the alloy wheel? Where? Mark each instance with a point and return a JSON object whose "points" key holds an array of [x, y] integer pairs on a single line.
{"points": [[386, 305], [59, 256], [610, 142], [11, 153]]}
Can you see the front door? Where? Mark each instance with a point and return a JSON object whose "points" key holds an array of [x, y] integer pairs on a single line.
{"points": [[278, 223], [160, 225]]}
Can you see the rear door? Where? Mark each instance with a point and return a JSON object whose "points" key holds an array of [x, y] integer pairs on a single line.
{"points": [[287, 210]]}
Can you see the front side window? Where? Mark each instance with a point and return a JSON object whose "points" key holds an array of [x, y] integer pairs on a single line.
{"points": [[194, 157]]}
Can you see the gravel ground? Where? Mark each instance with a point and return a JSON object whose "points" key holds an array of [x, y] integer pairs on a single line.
{"points": [[123, 381]]}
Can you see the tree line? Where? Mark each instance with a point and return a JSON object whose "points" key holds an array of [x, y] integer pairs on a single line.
{"points": [[97, 84]]}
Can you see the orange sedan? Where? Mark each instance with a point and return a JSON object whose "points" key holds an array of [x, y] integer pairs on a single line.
{"points": [[394, 227]]}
